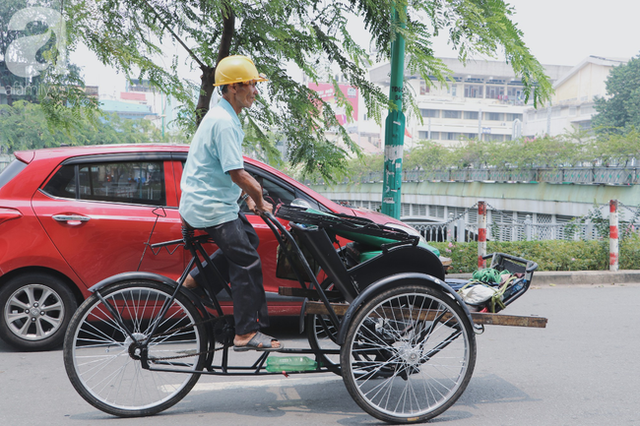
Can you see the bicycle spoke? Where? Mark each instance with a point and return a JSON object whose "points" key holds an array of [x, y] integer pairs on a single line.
{"points": [[407, 354], [104, 360]]}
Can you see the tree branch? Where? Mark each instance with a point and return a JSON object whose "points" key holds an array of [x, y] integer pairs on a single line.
{"points": [[174, 35], [229, 23], [208, 73]]}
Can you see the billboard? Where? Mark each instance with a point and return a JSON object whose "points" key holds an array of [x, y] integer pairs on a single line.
{"points": [[326, 91]]}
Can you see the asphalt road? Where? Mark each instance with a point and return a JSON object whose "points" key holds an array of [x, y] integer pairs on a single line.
{"points": [[582, 369]]}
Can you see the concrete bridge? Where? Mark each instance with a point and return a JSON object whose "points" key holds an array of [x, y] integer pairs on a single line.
{"points": [[543, 202]]}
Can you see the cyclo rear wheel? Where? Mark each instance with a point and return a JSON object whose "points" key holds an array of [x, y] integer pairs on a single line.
{"points": [[103, 361], [409, 354]]}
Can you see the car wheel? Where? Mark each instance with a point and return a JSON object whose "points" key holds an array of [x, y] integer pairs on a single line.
{"points": [[36, 309]]}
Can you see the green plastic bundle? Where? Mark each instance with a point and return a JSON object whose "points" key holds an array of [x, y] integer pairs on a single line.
{"points": [[488, 275]]}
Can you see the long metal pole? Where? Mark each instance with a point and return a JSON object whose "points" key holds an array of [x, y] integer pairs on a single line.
{"points": [[394, 131]]}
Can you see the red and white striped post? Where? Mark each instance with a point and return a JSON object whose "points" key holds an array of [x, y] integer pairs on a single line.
{"points": [[613, 235], [482, 233]]}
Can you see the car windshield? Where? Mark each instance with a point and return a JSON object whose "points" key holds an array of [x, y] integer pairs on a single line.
{"points": [[11, 171]]}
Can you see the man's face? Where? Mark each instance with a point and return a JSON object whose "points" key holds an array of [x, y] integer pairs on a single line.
{"points": [[245, 94]]}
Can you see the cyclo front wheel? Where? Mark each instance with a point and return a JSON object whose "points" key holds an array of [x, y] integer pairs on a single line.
{"points": [[103, 360], [409, 354]]}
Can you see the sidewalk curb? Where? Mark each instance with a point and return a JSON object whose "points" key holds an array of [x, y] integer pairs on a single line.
{"points": [[577, 277]]}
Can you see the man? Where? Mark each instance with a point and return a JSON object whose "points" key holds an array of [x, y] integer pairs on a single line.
{"points": [[212, 182]]}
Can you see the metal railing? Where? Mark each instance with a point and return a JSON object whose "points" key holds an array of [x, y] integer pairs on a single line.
{"points": [[4, 162], [590, 227], [575, 175]]}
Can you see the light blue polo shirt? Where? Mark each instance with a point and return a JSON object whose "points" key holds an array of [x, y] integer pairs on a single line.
{"points": [[209, 196]]}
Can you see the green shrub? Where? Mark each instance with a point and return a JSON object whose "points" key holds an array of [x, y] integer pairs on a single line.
{"points": [[551, 255], [630, 252]]}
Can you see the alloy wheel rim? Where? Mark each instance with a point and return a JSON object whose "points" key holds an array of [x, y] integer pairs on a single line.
{"points": [[34, 312]]}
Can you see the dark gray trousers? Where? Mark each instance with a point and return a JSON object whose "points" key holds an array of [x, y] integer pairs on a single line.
{"points": [[239, 264]]}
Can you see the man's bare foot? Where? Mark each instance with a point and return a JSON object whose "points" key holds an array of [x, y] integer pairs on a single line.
{"points": [[190, 282], [242, 340]]}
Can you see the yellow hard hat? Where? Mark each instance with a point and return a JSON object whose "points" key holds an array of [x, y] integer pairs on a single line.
{"points": [[237, 69]]}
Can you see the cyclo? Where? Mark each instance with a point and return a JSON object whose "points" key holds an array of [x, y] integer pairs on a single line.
{"points": [[384, 319]]}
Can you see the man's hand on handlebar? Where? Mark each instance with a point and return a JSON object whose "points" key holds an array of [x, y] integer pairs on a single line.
{"points": [[250, 186], [264, 206]]}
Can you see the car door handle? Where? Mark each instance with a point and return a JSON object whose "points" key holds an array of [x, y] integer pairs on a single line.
{"points": [[71, 219]]}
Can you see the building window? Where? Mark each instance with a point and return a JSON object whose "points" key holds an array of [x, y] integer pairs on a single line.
{"points": [[586, 110], [513, 117], [423, 134], [472, 90], [434, 113], [450, 136], [424, 87], [471, 115], [452, 114], [494, 116], [436, 211], [495, 92], [515, 94], [452, 90]]}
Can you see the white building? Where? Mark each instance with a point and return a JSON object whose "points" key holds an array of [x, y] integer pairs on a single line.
{"points": [[484, 99], [572, 104]]}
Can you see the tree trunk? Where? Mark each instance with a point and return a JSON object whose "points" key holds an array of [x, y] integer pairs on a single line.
{"points": [[4, 83], [208, 73], [206, 90]]}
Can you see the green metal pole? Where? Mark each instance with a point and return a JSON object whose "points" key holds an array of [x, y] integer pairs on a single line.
{"points": [[394, 132]]}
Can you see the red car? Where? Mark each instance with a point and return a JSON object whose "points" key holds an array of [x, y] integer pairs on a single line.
{"points": [[70, 217]]}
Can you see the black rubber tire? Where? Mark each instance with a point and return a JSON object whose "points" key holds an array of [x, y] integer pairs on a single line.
{"points": [[36, 310], [401, 367], [98, 353]]}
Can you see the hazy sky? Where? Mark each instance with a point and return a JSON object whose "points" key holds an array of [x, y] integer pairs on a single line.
{"points": [[558, 32], [563, 32]]}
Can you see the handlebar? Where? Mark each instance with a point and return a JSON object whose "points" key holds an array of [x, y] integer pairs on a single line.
{"points": [[268, 217]]}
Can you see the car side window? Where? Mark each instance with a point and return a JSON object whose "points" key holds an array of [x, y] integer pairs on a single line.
{"points": [[139, 182], [274, 193], [271, 192]]}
